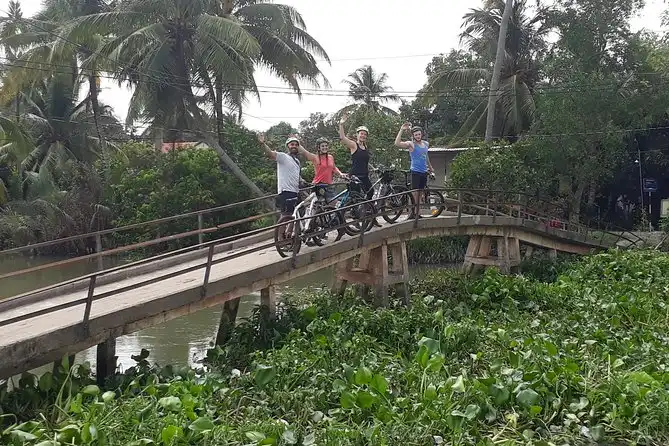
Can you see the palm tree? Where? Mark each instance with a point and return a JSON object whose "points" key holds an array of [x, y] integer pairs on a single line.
{"points": [[62, 127], [45, 52], [15, 146], [172, 51], [525, 44], [370, 91]]}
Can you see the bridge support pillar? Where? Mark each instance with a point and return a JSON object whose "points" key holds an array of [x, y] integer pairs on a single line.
{"points": [[552, 253], [106, 360], [376, 272], [228, 319], [529, 251], [268, 299], [479, 253]]}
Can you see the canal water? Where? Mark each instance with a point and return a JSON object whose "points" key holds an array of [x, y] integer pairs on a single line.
{"points": [[182, 341]]}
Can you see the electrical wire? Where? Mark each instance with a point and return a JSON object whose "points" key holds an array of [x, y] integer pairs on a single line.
{"points": [[481, 92]]}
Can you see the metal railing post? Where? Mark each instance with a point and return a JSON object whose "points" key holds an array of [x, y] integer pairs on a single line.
{"points": [[494, 206], [459, 207], [207, 270], [89, 302], [417, 213], [200, 226], [361, 239], [296, 236], [98, 249], [524, 210]]}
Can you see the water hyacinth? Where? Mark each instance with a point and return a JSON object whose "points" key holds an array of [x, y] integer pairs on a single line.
{"points": [[480, 360]]}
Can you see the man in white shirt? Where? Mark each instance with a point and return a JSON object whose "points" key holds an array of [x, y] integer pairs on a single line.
{"points": [[288, 170]]}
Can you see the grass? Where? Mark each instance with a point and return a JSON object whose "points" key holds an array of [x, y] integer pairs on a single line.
{"points": [[576, 356]]}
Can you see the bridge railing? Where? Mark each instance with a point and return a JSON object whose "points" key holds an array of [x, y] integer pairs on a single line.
{"points": [[552, 214], [472, 201], [92, 278], [467, 202]]}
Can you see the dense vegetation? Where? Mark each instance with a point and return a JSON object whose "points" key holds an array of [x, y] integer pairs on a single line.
{"points": [[475, 360], [61, 144], [577, 108]]}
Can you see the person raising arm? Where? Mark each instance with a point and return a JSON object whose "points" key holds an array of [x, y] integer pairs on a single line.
{"points": [[287, 173], [359, 154], [324, 165], [420, 161]]}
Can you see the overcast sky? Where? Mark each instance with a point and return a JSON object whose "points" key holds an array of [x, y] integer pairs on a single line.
{"points": [[398, 38]]}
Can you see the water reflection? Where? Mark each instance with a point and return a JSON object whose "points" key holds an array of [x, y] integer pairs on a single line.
{"points": [[40, 279], [185, 340]]}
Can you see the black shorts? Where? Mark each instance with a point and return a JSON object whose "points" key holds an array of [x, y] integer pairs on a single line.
{"points": [[366, 186], [418, 180], [286, 202]]}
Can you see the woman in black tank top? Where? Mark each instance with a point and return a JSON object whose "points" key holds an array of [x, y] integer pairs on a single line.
{"points": [[359, 155]]}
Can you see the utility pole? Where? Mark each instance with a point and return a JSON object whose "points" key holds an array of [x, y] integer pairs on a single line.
{"points": [[497, 69]]}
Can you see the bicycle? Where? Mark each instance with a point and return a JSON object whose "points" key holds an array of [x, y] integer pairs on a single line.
{"points": [[306, 224], [351, 195], [395, 203], [434, 198]]}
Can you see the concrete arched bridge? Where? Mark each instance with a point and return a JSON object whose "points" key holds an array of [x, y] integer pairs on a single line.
{"points": [[43, 325]]}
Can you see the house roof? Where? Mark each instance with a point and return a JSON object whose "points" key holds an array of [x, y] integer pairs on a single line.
{"points": [[453, 149], [448, 149]]}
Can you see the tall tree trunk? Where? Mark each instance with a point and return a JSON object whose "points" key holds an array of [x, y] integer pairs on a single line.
{"points": [[234, 168], [497, 70], [592, 193], [95, 103], [576, 199], [219, 142], [218, 105], [158, 139]]}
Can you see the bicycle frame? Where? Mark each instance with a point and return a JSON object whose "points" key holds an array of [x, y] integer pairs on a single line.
{"points": [[307, 203], [380, 191]]}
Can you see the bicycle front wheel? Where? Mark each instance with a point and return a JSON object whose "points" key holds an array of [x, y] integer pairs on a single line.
{"points": [[356, 217], [323, 225], [286, 235], [393, 207]]}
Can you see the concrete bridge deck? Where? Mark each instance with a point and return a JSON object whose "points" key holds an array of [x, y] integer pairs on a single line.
{"points": [[128, 306]]}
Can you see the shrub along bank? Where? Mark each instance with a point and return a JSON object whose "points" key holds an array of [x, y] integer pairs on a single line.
{"points": [[437, 250], [485, 360]]}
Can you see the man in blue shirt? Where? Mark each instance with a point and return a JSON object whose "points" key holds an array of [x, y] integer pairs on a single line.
{"points": [[420, 161]]}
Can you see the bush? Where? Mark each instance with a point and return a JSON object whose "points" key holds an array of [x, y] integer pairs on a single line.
{"points": [[437, 250], [147, 185], [579, 361], [543, 268], [47, 208]]}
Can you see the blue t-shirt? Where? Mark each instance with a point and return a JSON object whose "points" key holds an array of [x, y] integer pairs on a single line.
{"points": [[419, 157]]}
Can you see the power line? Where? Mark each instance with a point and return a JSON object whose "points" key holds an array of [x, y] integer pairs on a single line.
{"points": [[162, 82], [288, 90], [522, 137], [459, 92], [406, 56]]}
